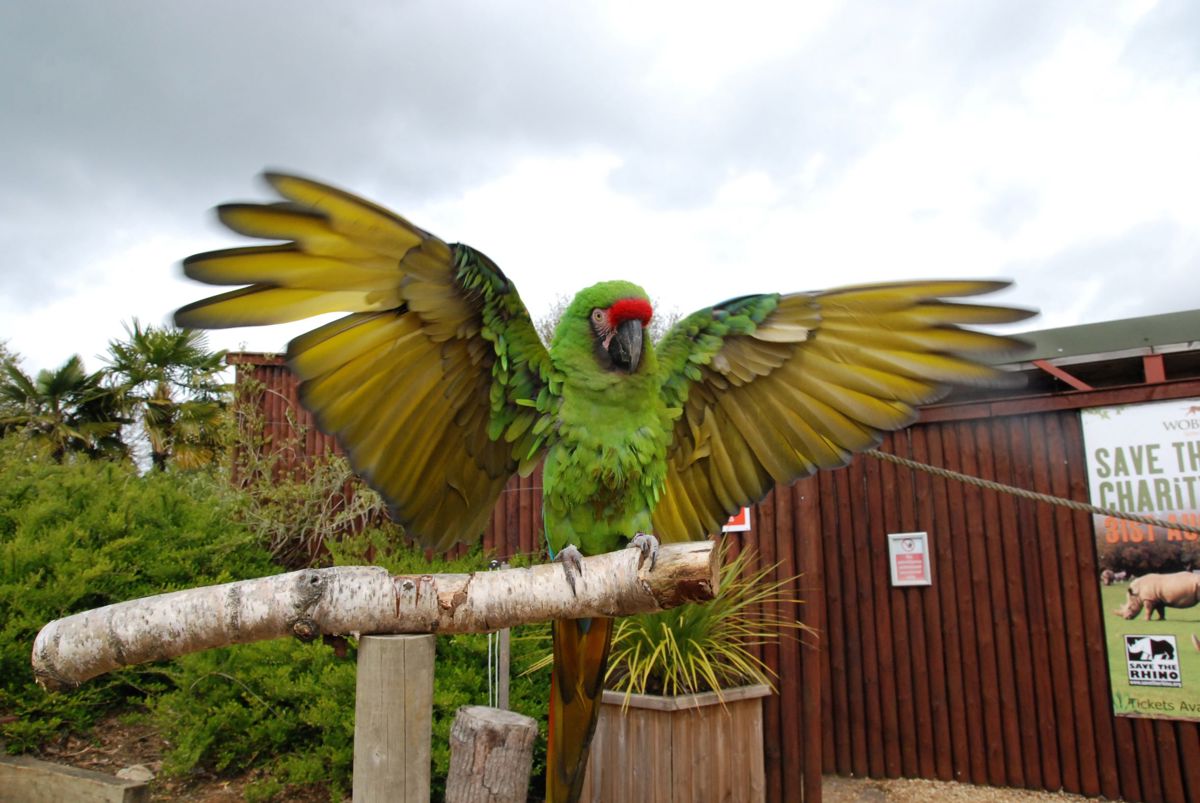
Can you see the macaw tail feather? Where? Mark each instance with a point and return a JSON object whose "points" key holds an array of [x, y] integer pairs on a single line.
{"points": [[580, 658]]}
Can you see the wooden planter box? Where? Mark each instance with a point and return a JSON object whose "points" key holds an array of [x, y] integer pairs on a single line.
{"points": [[688, 748]]}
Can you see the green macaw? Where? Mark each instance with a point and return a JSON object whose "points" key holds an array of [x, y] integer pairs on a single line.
{"points": [[439, 389]]}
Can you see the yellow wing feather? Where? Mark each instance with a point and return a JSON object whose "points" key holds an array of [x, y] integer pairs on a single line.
{"points": [[284, 265]]}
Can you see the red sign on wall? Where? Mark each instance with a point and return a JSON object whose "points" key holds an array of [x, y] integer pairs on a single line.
{"points": [[739, 523], [909, 554]]}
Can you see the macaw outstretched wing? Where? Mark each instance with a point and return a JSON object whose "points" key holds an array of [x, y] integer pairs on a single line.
{"points": [[436, 384], [772, 388]]}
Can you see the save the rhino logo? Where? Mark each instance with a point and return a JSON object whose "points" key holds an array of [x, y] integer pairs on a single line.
{"points": [[1152, 661]]}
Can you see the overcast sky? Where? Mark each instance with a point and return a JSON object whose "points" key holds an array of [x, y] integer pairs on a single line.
{"points": [[704, 150]]}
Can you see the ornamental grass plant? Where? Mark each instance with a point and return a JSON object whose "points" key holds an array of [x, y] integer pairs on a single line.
{"points": [[701, 647]]}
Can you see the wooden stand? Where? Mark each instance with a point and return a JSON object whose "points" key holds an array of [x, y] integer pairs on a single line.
{"points": [[491, 754], [393, 718], [656, 749]]}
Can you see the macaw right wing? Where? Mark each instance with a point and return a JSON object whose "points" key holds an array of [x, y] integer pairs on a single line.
{"points": [[436, 384]]}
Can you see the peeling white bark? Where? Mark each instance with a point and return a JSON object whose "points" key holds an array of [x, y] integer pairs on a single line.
{"points": [[364, 599]]}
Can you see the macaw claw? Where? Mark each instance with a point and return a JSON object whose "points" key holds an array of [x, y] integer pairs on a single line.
{"points": [[648, 544], [571, 559]]}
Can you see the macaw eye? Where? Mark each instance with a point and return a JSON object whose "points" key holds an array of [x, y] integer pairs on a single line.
{"points": [[597, 316]]}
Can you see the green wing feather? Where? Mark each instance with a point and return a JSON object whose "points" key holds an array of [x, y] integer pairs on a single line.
{"points": [[434, 384], [771, 388]]}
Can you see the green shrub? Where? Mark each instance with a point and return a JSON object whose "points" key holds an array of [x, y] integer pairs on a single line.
{"points": [[89, 533], [85, 534], [282, 706], [301, 513]]}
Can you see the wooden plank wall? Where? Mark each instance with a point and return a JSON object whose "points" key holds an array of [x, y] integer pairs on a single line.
{"points": [[994, 675], [997, 673]]}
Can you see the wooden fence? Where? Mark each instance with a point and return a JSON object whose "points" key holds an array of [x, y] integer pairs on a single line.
{"points": [[995, 674]]}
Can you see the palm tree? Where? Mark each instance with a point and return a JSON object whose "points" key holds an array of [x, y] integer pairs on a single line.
{"points": [[8, 408], [65, 410], [172, 383]]}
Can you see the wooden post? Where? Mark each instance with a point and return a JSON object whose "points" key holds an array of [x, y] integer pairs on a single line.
{"points": [[491, 754], [393, 717]]}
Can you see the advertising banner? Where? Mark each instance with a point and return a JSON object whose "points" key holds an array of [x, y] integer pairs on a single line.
{"points": [[1145, 459]]}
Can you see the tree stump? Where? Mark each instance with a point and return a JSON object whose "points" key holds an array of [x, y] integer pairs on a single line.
{"points": [[491, 755]]}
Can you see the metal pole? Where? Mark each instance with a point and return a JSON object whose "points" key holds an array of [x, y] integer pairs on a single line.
{"points": [[499, 655]]}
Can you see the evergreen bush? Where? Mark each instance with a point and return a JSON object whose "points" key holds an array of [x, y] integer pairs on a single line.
{"points": [[88, 533]]}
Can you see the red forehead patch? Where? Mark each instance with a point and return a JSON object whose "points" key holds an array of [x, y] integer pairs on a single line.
{"points": [[629, 309]]}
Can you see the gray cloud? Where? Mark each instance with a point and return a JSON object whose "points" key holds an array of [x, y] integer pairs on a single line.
{"points": [[837, 97], [437, 100], [1151, 266], [1166, 43], [130, 117]]}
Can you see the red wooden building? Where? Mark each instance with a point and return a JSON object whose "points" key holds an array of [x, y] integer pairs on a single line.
{"points": [[996, 673]]}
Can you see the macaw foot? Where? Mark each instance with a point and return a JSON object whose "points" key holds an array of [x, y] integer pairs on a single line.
{"points": [[570, 557], [648, 545]]}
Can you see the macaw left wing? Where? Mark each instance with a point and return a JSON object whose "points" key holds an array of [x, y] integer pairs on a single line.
{"points": [[772, 388]]}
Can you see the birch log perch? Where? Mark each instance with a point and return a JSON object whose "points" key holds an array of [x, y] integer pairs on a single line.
{"points": [[353, 600]]}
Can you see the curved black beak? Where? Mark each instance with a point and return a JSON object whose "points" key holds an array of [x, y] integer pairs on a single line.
{"points": [[625, 349]]}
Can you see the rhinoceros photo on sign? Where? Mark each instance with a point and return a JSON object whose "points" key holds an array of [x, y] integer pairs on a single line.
{"points": [[1145, 459]]}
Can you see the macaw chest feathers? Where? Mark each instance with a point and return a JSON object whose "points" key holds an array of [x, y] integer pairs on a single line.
{"points": [[606, 474], [605, 479]]}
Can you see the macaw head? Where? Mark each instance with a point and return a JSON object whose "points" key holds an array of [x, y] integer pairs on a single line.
{"points": [[611, 317]]}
